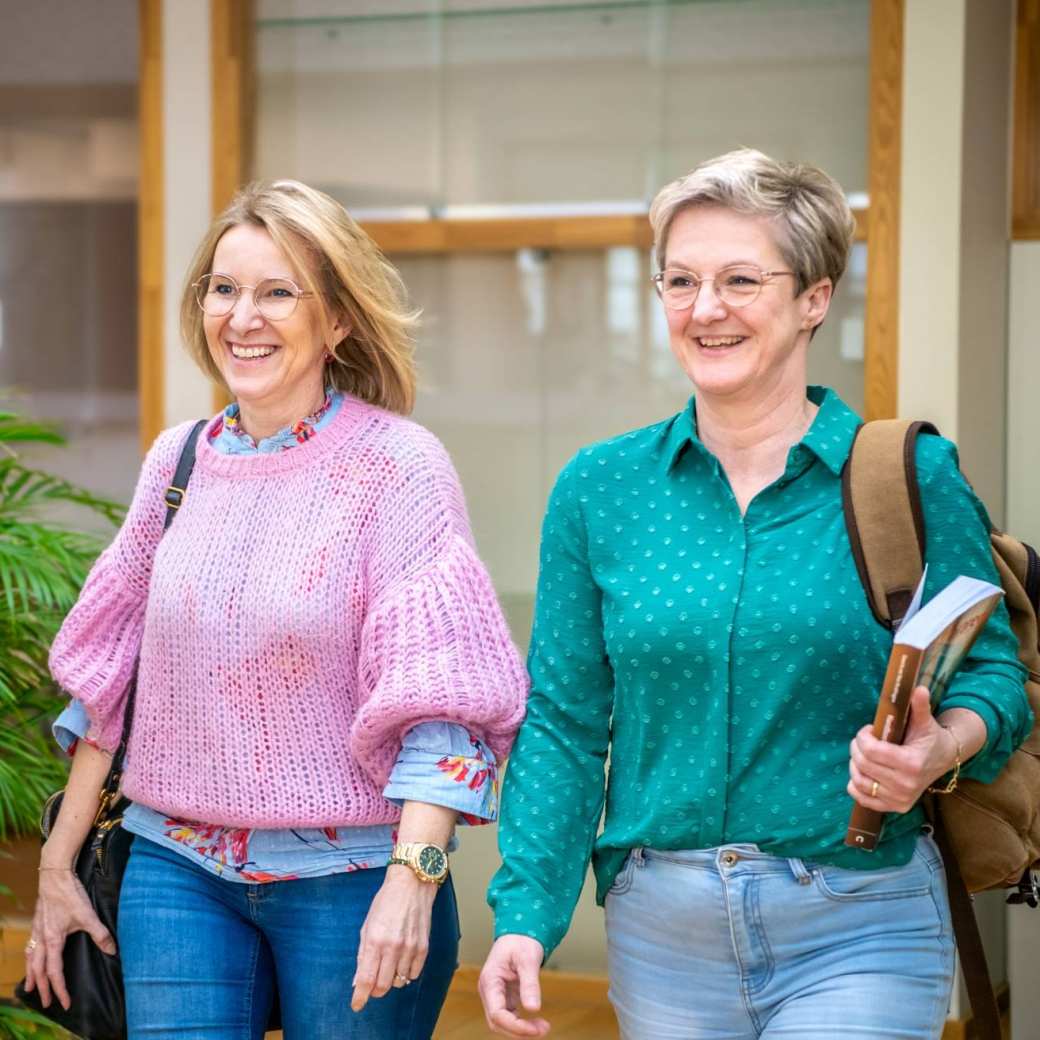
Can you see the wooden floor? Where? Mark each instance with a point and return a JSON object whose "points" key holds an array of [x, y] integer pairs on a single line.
{"points": [[576, 1007]]}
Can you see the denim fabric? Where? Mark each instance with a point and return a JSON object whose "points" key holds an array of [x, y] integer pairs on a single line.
{"points": [[733, 944], [202, 957]]}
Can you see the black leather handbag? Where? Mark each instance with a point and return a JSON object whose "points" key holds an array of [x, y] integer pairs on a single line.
{"points": [[93, 978]]}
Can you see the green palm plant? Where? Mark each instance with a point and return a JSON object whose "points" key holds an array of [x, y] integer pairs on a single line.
{"points": [[18, 1023], [43, 564]]}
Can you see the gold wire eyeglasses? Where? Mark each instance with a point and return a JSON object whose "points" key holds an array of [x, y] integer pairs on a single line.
{"points": [[736, 286], [275, 298]]}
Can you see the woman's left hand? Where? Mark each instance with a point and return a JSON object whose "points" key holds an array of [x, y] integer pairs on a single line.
{"points": [[901, 772], [395, 936]]}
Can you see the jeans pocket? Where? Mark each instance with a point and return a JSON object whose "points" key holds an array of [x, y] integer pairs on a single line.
{"points": [[624, 877], [910, 881]]}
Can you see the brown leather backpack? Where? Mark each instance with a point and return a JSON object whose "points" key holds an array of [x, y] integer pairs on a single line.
{"points": [[989, 834]]}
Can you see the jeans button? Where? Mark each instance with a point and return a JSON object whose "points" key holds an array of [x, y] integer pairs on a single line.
{"points": [[729, 859]]}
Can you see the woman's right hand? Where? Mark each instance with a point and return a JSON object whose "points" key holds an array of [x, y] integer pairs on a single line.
{"points": [[508, 982], [62, 907]]}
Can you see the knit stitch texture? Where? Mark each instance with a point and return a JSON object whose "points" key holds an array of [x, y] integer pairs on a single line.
{"points": [[303, 612]]}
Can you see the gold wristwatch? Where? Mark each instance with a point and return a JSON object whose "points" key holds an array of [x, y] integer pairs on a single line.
{"points": [[429, 862]]}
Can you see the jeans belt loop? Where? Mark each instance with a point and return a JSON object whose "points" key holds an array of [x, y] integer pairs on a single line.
{"points": [[802, 873]]}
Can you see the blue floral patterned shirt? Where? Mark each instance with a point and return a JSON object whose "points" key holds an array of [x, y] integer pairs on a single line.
{"points": [[439, 763]]}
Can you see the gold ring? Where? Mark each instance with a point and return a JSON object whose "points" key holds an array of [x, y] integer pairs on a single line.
{"points": [[30, 946], [401, 980], [874, 789]]}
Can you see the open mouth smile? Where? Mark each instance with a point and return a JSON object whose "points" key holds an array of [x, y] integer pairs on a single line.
{"points": [[242, 352], [718, 342]]}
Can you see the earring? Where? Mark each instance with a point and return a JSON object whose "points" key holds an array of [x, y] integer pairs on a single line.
{"points": [[329, 357]]}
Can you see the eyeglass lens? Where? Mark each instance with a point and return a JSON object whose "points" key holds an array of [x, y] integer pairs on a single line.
{"points": [[275, 298], [735, 286]]}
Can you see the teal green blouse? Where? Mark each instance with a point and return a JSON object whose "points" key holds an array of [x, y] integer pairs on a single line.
{"points": [[723, 661]]}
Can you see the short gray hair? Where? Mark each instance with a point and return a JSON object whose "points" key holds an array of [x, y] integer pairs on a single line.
{"points": [[814, 223]]}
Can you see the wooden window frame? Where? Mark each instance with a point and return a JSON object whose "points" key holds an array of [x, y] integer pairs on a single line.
{"points": [[233, 112]]}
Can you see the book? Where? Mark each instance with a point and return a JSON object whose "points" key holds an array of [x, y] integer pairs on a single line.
{"points": [[928, 648]]}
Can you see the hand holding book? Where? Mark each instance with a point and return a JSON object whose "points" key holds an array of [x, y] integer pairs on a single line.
{"points": [[907, 749], [929, 751]]}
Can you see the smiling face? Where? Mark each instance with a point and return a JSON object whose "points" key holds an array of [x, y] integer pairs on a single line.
{"points": [[740, 353], [274, 369]]}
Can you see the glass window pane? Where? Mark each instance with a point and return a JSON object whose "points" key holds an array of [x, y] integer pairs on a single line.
{"points": [[413, 102]]}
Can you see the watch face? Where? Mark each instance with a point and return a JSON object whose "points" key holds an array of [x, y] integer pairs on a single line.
{"points": [[432, 861]]}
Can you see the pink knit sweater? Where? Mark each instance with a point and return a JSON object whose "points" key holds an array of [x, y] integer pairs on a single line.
{"points": [[302, 613]]}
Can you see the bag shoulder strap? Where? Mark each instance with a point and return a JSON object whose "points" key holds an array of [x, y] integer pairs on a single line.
{"points": [[173, 497], [883, 514]]}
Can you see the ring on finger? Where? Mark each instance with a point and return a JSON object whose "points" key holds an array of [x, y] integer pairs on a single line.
{"points": [[874, 788], [30, 946], [401, 980]]}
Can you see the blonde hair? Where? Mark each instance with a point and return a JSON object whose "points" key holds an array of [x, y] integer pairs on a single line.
{"points": [[350, 277], [813, 221]]}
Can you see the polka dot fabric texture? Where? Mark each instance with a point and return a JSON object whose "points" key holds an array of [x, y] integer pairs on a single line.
{"points": [[306, 609], [724, 661]]}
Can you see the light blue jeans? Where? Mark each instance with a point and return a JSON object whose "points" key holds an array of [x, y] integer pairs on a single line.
{"points": [[733, 944], [203, 957]]}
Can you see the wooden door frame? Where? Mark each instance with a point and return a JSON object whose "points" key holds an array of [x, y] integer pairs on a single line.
{"points": [[881, 343], [1025, 195], [150, 238]]}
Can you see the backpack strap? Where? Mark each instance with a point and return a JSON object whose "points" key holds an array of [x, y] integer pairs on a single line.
{"points": [[985, 1015], [883, 514], [885, 521]]}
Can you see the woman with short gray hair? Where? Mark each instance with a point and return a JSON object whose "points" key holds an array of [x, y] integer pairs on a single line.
{"points": [[700, 619]]}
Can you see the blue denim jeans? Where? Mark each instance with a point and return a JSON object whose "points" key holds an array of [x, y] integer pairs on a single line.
{"points": [[203, 957], [733, 944]]}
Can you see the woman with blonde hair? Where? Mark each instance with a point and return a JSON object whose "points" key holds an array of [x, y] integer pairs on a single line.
{"points": [[700, 617], [320, 661]]}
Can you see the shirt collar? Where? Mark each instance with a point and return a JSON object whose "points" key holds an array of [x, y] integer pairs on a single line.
{"points": [[829, 437], [833, 430], [226, 431], [680, 434]]}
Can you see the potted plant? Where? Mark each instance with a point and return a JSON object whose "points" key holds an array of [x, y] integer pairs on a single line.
{"points": [[43, 563]]}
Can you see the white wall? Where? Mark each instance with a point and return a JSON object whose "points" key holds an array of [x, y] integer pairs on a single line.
{"points": [[1023, 517]]}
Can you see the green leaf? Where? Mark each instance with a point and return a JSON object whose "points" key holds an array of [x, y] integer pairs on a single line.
{"points": [[19, 1023], [43, 565]]}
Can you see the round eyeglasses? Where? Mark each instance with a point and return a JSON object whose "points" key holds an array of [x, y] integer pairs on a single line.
{"points": [[736, 286], [275, 298]]}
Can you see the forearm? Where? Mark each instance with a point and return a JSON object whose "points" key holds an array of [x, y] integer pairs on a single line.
{"points": [[420, 821], [78, 807]]}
